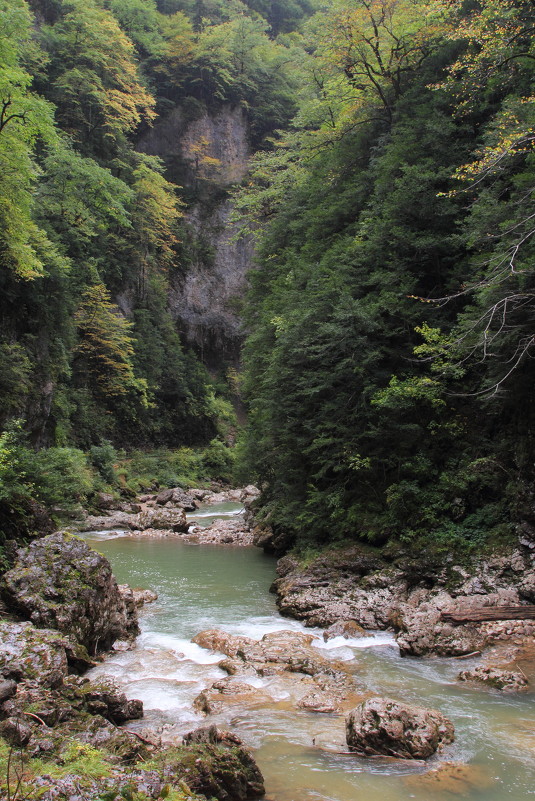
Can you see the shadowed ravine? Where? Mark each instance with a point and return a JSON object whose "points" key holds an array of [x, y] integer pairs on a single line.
{"points": [[203, 587]]}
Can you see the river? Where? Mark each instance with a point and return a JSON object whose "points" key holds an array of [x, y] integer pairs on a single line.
{"points": [[203, 587]]}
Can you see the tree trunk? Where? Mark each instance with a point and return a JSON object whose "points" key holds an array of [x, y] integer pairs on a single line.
{"points": [[490, 613]]}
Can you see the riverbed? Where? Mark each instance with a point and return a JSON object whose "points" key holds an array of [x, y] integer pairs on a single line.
{"points": [[206, 587]]}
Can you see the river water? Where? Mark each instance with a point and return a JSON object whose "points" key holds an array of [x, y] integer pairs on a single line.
{"points": [[202, 587]]}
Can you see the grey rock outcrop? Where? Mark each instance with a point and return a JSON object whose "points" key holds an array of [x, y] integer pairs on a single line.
{"points": [[408, 593], [177, 497], [213, 152], [60, 583], [30, 654], [381, 726]]}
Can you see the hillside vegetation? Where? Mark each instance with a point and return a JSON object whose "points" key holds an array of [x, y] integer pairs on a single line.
{"points": [[390, 317], [389, 366]]}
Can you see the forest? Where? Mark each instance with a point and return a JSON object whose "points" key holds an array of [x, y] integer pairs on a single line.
{"points": [[388, 327]]}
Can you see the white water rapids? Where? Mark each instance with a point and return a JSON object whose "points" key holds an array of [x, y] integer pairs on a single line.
{"points": [[206, 587]]}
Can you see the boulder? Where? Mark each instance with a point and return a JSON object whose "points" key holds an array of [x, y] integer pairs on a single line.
{"points": [[249, 493], [142, 597], [319, 701], [113, 520], [15, 732], [177, 497], [224, 532], [276, 652], [8, 688], [495, 678], [228, 691], [112, 705], [346, 629], [105, 500], [214, 770], [173, 519], [212, 735], [134, 598], [215, 640], [381, 726], [60, 583]]}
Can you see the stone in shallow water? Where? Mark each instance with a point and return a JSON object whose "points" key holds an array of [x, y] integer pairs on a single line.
{"points": [[381, 726]]}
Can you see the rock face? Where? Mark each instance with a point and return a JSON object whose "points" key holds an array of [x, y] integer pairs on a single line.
{"points": [[61, 583], [386, 727], [213, 152], [408, 593]]}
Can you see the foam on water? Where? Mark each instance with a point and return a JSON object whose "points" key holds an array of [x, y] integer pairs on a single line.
{"points": [[104, 534]]}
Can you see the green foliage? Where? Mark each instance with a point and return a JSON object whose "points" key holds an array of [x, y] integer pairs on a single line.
{"points": [[92, 77], [218, 461], [60, 477], [357, 429], [103, 458], [25, 118], [105, 347]]}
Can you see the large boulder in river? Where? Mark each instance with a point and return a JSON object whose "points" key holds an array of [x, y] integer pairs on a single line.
{"points": [[60, 583], [381, 726], [173, 519]]}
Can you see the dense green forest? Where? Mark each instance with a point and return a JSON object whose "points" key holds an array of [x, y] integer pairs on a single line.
{"points": [[92, 231], [389, 365], [387, 368]]}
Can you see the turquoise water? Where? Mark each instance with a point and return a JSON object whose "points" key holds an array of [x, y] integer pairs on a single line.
{"points": [[203, 587]]}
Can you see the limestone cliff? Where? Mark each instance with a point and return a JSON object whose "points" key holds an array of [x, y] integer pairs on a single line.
{"points": [[206, 155]]}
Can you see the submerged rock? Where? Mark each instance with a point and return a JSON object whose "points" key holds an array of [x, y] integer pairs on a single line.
{"points": [[451, 777], [495, 678], [282, 654], [59, 582], [381, 726]]}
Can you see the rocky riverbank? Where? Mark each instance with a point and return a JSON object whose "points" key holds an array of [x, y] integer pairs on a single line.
{"points": [[413, 596], [172, 513], [62, 610]]}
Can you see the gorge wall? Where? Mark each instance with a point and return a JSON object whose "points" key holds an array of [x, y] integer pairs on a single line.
{"points": [[206, 156]]}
